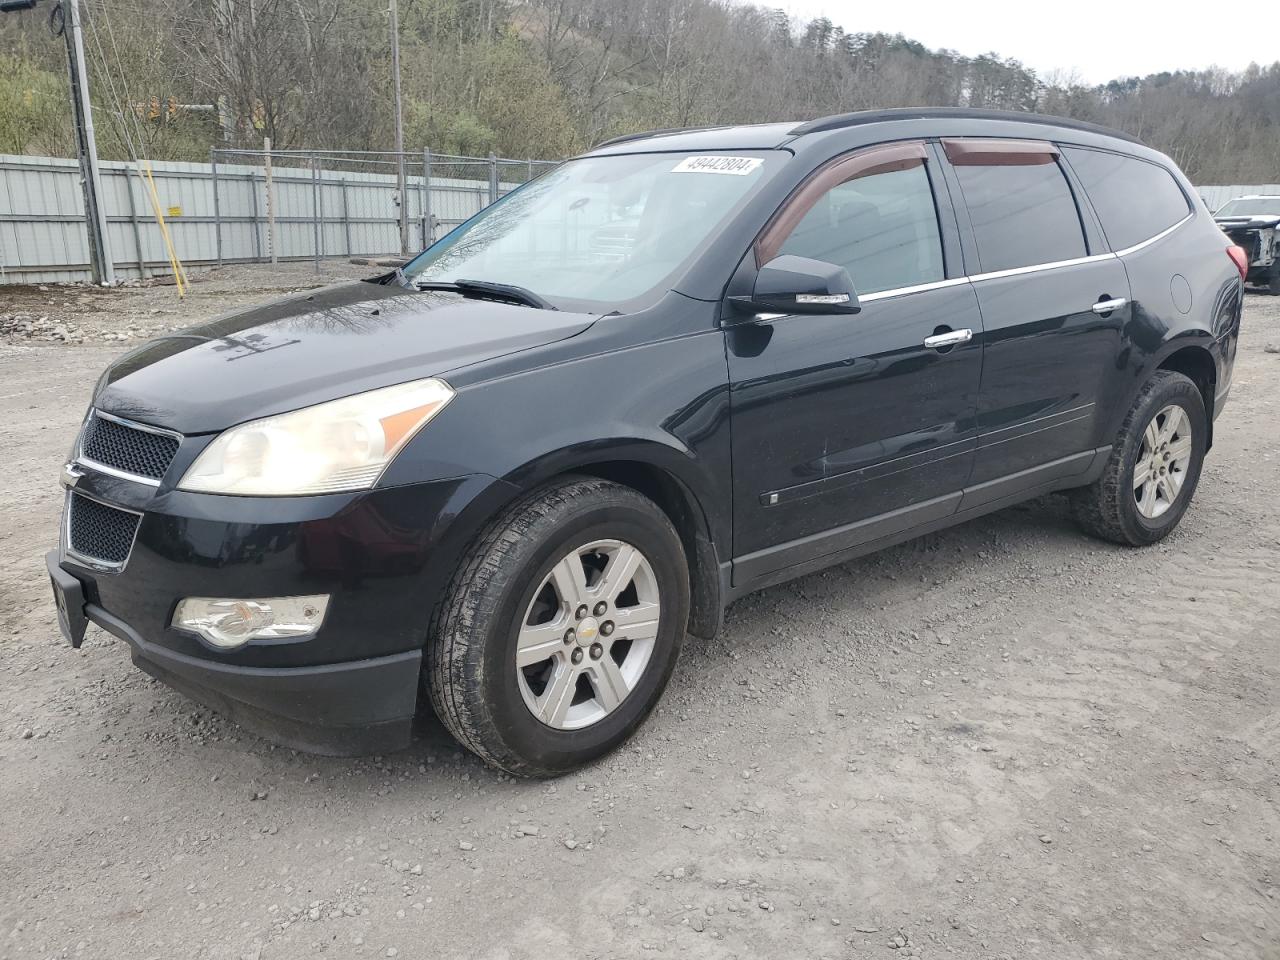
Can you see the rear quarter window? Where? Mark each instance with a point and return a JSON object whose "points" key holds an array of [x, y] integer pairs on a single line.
{"points": [[1022, 215], [1134, 199]]}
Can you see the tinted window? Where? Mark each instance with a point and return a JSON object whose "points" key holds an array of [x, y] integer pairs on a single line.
{"points": [[1134, 199], [882, 228], [1022, 215]]}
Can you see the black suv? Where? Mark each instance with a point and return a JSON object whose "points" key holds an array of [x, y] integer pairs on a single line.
{"points": [[682, 367]]}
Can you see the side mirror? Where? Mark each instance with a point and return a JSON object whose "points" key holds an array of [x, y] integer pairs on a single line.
{"points": [[790, 284]]}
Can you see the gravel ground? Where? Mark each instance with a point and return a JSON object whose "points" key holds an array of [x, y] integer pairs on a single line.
{"points": [[1002, 741]]}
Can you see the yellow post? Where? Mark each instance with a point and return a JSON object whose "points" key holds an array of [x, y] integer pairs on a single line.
{"points": [[179, 273]]}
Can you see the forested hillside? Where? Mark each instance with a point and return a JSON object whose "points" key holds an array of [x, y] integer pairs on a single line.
{"points": [[544, 78]]}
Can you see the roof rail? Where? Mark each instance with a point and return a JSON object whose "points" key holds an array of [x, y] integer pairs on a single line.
{"points": [[664, 132], [839, 121]]}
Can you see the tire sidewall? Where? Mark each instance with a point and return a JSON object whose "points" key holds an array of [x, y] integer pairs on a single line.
{"points": [[1179, 391], [524, 734]]}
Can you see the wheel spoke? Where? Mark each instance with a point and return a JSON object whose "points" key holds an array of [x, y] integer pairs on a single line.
{"points": [[1172, 483], [1148, 502], [570, 580], [608, 683], [618, 572], [1141, 472], [1172, 424], [558, 697], [1152, 437], [637, 623], [537, 643], [1180, 449]]}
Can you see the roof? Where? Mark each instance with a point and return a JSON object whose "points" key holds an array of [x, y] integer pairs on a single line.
{"points": [[768, 136]]}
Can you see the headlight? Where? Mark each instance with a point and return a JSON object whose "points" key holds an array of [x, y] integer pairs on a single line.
{"points": [[340, 445]]}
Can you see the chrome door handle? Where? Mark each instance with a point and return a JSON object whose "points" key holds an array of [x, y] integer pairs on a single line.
{"points": [[1106, 306], [949, 339]]}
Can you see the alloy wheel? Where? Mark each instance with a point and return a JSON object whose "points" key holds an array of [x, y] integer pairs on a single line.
{"points": [[588, 634], [1163, 459]]}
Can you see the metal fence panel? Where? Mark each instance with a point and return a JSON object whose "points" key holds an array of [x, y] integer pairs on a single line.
{"points": [[353, 211]]}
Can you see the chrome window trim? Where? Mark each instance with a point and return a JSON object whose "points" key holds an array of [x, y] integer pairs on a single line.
{"points": [[1150, 240], [80, 457], [1019, 271], [95, 563], [916, 288], [1039, 267]]}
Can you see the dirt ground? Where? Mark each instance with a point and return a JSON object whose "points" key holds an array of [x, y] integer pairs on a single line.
{"points": [[1002, 741]]}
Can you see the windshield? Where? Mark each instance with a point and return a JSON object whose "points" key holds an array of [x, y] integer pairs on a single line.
{"points": [[599, 233], [1251, 207]]}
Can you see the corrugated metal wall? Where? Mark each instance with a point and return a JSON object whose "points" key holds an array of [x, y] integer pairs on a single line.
{"points": [[42, 231], [1215, 197]]}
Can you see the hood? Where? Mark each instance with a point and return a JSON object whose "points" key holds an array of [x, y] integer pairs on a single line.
{"points": [[313, 347]]}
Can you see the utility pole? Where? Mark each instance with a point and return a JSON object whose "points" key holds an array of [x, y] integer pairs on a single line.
{"points": [[95, 215], [401, 187]]}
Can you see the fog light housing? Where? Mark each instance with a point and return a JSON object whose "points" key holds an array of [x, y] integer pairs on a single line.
{"points": [[230, 623]]}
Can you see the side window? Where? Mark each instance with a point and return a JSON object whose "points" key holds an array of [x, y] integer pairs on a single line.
{"points": [[1134, 199], [1022, 214], [882, 228]]}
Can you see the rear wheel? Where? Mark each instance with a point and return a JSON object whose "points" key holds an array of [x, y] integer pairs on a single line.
{"points": [[561, 628], [1273, 279], [1154, 465]]}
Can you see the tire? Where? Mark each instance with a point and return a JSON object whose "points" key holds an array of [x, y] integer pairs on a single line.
{"points": [[1115, 507], [1273, 279], [507, 596]]}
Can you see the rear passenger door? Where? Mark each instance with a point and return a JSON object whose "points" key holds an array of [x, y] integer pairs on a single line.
{"points": [[1053, 304]]}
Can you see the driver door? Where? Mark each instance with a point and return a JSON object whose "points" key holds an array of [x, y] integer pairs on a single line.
{"points": [[847, 429]]}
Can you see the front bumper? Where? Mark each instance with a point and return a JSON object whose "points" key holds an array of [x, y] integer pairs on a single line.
{"points": [[382, 556]]}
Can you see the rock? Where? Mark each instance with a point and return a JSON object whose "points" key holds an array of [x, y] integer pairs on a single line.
{"points": [[466, 845], [27, 733], [416, 870], [697, 923], [571, 843], [527, 830], [1271, 348], [1045, 838]]}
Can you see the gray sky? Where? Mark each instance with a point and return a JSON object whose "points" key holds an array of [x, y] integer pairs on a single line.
{"points": [[1097, 40]]}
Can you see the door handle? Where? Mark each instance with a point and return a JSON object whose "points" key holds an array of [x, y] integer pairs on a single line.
{"points": [[949, 339], [1106, 306]]}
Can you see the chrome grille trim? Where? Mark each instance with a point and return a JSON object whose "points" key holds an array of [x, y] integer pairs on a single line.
{"points": [[115, 471]]}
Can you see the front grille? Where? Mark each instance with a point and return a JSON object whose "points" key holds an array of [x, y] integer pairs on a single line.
{"points": [[140, 452], [98, 532]]}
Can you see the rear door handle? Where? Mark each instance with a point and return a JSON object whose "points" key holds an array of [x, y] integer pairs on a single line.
{"points": [[1106, 306], [949, 339]]}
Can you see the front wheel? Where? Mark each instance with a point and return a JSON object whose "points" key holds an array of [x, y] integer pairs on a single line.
{"points": [[561, 628], [1154, 466]]}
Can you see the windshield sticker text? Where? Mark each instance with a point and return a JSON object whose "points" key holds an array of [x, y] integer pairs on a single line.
{"points": [[734, 166]]}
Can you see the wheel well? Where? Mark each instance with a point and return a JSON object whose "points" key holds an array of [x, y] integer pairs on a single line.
{"points": [[680, 505], [1197, 364]]}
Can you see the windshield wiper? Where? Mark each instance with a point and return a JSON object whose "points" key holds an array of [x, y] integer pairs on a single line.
{"points": [[485, 288]]}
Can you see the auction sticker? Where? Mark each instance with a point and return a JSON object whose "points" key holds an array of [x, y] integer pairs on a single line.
{"points": [[733, 166]]}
